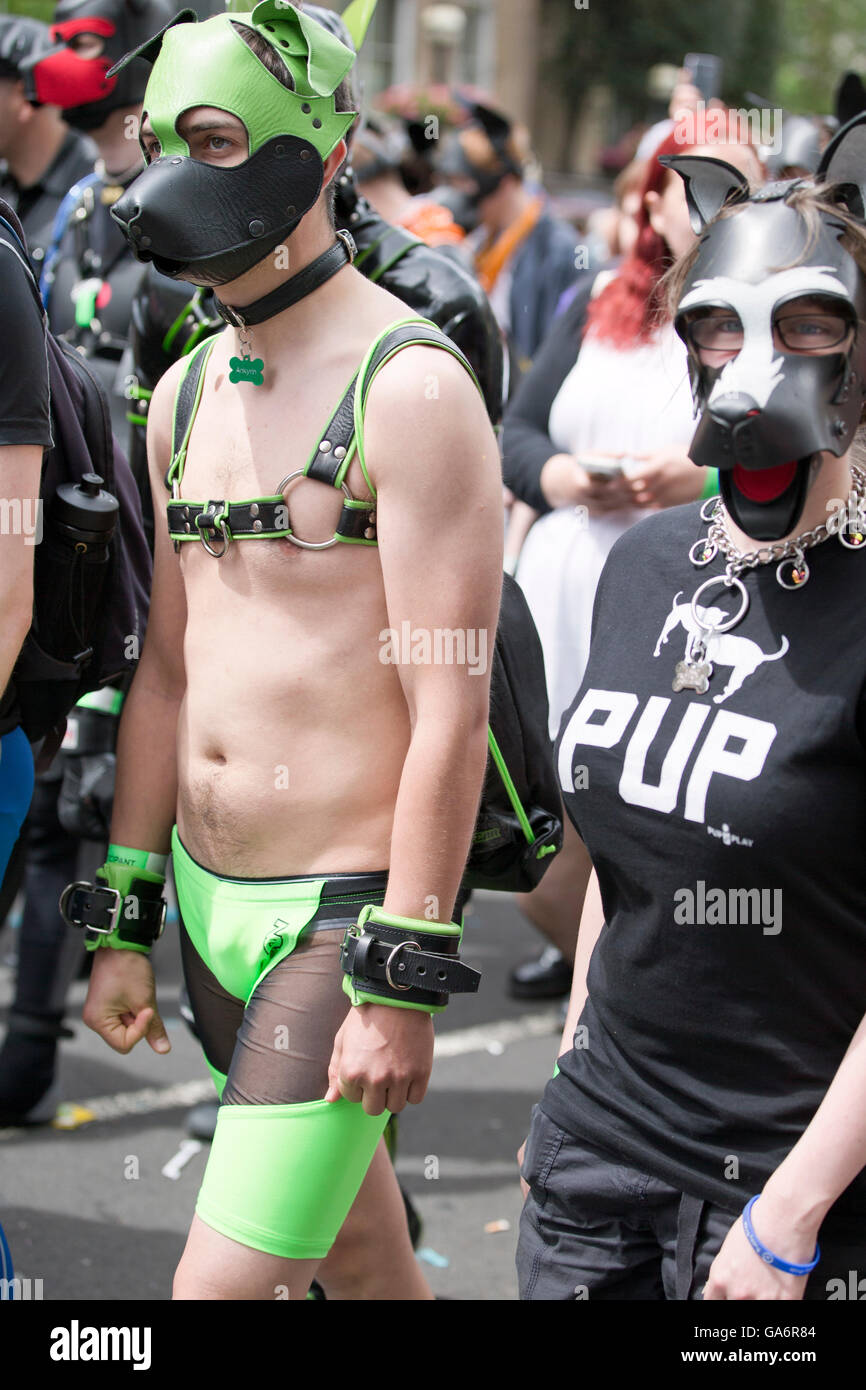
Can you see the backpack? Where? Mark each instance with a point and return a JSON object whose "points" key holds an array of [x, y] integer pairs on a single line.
{"points": [[519, 825], [45, 684]]}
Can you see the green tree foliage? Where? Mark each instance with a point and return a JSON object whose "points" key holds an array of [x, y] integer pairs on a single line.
{"points": [[617, 41], [792, 52], [37, 9], [822, 41]]}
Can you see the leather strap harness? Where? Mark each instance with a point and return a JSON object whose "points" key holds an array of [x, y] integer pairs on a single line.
{"points": [[217, 522]]}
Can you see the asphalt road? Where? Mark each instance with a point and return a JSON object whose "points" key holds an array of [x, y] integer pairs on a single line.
{"points": [[90, 1212]]}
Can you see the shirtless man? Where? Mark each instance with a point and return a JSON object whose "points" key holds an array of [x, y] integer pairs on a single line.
{"points": [[264, 720]]}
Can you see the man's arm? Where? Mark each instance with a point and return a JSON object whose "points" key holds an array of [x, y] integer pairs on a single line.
{"points": [[435, 466], [591, 923], [121, 999], [20, 469], [25, 431], [797, 1196], [145, 795]]}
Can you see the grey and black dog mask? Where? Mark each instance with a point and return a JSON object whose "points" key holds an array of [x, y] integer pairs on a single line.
{"points": [[770, 411]]}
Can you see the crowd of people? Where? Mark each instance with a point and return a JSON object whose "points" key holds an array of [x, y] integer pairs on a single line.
{"points": [[660, 445]]}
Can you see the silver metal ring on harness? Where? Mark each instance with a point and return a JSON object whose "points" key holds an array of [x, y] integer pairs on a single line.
{"points": [[710, 502], [296, 540], [226, 535], [397, 949], [729, 582]]}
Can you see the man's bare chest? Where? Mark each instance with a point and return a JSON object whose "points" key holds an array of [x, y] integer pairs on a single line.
{"points": [[247, 443], [246, 439]]}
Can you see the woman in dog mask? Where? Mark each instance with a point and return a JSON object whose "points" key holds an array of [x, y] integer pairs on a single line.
{"points": [[702, 1134]]}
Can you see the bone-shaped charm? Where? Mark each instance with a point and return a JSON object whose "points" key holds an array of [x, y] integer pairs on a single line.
{"points": [[693, 675], [247, 369]]}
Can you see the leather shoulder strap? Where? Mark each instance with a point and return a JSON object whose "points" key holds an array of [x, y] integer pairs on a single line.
{"points": [[330, 459], [186, 399], [410, 333]]}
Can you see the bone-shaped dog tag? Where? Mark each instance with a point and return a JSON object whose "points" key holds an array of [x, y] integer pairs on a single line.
{"points": [[693, 675]]}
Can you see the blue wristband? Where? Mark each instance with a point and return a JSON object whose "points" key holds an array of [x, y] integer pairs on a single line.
{"points": [[767, 1255]]}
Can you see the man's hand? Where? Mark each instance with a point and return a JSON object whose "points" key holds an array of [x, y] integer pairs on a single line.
{"points": [[382, 1057], [121, 1001], [524, 1185], [738, 1273]]}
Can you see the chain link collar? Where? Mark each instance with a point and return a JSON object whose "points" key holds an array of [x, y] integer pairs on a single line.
{"points": [[792, 571], [695, 671]]}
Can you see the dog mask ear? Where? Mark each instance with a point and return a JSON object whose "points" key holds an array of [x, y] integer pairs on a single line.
{"points": [[149, 50], [710, 183], [844, 163]]}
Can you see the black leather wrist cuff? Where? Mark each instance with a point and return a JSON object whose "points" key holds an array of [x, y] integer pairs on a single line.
{"points": [[138, 918], [392, 963]]}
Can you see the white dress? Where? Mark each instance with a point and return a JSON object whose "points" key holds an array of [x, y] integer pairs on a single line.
{"points": [[631, 401]]}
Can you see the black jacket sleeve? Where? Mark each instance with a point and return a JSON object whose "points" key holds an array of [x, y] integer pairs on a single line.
{"points": [[526, 444]]}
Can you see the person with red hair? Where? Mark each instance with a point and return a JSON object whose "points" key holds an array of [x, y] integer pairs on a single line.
{"points": [[596, 436]]}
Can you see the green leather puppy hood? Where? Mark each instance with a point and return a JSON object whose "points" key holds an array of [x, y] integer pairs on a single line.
{"points": [[210, 64], [210, 223]]}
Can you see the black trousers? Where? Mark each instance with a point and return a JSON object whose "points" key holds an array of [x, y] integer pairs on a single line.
{"points": [[594, 1227]]}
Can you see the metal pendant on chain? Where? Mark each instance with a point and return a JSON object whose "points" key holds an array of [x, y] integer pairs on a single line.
{"points": [[792, 572], [246, 367]]}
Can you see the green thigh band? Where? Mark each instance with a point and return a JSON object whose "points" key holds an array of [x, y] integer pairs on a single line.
{"points": [[281, 1178]]}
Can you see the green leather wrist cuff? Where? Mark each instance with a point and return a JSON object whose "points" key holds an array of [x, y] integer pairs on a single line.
{"points": [[124, 910]]}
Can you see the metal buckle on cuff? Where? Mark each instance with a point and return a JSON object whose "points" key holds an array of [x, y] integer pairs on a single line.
{"points": [[396, 951], [162, 917], [90, 888]]}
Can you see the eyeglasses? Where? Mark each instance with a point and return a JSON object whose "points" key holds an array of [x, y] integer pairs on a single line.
{"points": [[804, 330]]}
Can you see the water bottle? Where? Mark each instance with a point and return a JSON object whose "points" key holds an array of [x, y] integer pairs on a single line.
{"points": [[72, 571]]}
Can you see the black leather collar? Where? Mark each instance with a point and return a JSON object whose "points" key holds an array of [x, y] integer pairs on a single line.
{"points": [[296, 287]]}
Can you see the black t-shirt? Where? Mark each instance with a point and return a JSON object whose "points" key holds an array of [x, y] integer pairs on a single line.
{"points": [[24, 397], [728, 832]]}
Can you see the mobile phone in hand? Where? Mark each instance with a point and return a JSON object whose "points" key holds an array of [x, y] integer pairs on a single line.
{"points": [[600, 468], [705, 71]]}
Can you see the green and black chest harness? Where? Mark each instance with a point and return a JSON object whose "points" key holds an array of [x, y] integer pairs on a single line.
{"points": [[217, 522]]}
